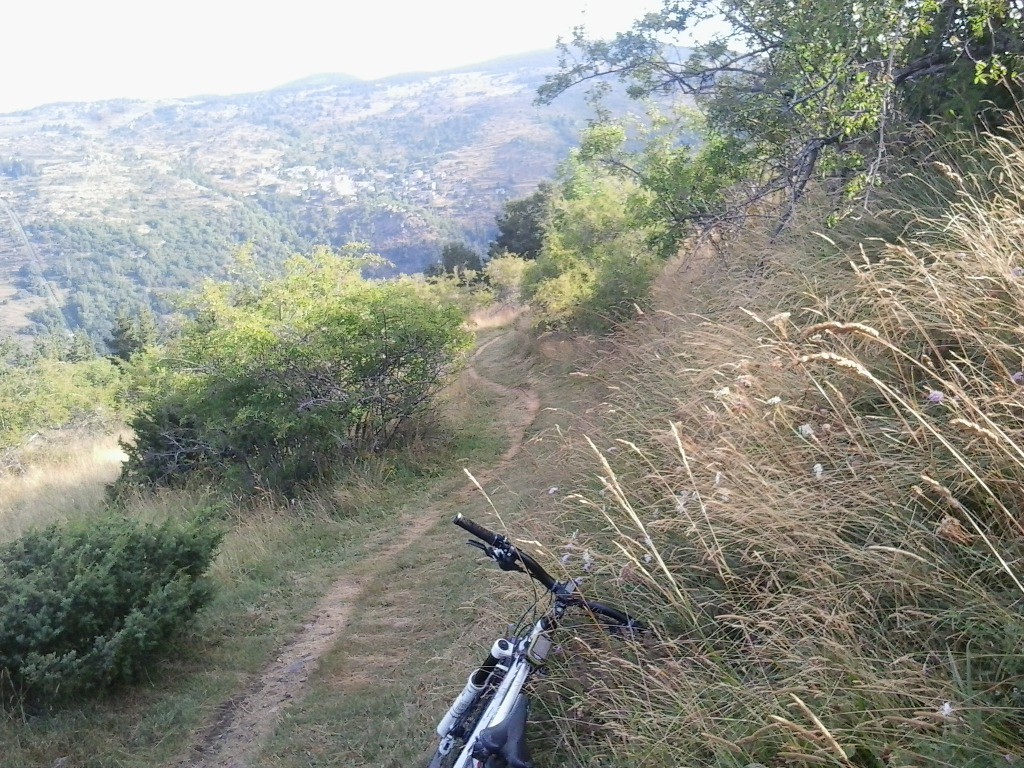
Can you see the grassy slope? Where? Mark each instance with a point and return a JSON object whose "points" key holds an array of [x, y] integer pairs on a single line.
{"points": [[816, 488], [833, 571], [273, 567]]}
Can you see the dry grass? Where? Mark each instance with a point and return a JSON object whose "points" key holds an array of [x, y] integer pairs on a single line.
{"points": [[810, 474], [56, 477], [495, 316]]}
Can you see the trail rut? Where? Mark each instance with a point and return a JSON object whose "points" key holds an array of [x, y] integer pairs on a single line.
{"points": [[245, 722]]}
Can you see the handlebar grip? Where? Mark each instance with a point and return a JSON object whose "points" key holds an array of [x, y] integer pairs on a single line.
{"points": [[494, 539]]}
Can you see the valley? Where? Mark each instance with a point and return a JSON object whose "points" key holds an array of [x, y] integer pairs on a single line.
{"points": [[116, 205]]}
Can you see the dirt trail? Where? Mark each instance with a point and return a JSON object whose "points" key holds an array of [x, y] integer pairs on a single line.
{"points": [[245, 722]]}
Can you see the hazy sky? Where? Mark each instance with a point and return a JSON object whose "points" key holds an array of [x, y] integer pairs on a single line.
{"points": [[83, 50]]}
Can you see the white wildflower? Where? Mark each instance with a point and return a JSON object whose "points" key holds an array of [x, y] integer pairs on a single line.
{"points": [[648, 558], [773, 400], [588, 561], [723, 392], [718, 479], [947, 709], [818, 471], [552, 490], [806, 430]]}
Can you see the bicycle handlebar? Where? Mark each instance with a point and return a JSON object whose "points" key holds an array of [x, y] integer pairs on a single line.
{"points": [[502, 544], [623, 618], [535, 570], [492, 538]]}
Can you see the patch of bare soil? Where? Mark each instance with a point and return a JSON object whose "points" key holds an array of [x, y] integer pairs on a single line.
{"points": [[245, 722]]}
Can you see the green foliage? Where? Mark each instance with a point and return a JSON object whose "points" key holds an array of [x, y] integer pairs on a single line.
{"points": [[810, 89], [86, 605], [132, 334], [683, 186], [43, 393], [521, 224], [274, 382], [505, 275], [595, 266], [456, 259]]}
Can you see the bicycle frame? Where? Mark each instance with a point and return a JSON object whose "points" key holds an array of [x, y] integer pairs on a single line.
{"points": [[496, 735], [526, 655]]}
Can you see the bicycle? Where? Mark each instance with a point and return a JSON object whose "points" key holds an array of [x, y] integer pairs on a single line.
{"points": [[485, 727]]}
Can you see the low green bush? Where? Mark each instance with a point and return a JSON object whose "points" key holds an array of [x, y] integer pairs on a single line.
{"points": [[86, 605]]}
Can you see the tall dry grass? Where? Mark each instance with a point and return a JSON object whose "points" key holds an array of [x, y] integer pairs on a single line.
{"points": [[810, 477], [54, 477]]}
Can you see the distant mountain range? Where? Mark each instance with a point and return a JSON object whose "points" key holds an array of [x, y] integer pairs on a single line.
{"points": [[110, 205]]}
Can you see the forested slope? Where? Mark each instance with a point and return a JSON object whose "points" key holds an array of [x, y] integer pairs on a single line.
{"points": [[126, 203]]}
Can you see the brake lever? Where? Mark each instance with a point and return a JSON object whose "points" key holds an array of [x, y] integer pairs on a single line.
{"points": [[506, 560]]}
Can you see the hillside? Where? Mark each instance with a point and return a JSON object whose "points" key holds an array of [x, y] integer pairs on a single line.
{"points": [[828, 549], [764, 392], [112, 204], [805, 475]]}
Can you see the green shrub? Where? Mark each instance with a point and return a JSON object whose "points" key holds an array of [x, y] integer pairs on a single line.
{"points": [[86, 605], [46, 393], [504, 273], [595, 266], [272, 384]]}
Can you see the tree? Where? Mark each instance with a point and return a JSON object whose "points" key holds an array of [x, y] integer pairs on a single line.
{"points": [[810, 88], [50, 392], [132, 334], [521, 224], [459, 257], [456, 259], [595, 267]]}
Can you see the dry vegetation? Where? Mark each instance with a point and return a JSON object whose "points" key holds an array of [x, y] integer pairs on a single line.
{"points": [[810, 468], [55, 476]]}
